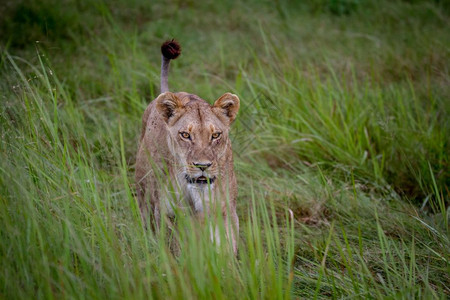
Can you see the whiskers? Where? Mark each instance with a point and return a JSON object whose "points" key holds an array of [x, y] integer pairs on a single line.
{"points": [[194, 172]]}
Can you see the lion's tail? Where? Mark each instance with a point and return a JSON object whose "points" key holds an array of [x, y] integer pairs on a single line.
{"points": [[170, 50]]}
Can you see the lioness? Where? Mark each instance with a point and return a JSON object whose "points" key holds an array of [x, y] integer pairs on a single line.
{"points": [[186, 140]]}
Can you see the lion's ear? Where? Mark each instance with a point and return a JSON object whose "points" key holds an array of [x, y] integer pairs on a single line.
{"points": [[227, 106], [167, 104]]}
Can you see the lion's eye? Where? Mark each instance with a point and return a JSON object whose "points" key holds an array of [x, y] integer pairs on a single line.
{"points": [[216, 135], [185, 135]]}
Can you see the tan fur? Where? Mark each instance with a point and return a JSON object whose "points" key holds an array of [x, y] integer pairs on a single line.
{"points": [[165, 164]]}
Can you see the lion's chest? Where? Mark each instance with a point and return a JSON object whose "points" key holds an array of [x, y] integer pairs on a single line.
{"points": [[187, 197]]}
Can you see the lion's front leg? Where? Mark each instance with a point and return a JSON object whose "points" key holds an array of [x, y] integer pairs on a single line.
{"points": [[232, 229], [148, 201]]}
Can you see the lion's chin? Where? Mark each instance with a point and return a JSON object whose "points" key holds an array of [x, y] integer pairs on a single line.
{"points": [[200, 179]]}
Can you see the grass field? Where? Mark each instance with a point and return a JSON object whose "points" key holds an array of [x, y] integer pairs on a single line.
{"points": [[341, 148]]}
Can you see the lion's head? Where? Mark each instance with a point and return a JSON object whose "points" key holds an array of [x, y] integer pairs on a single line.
{"points": [[198, 133]]}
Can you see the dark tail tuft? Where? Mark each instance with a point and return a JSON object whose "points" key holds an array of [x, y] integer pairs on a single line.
{"points": [[171, 49]]}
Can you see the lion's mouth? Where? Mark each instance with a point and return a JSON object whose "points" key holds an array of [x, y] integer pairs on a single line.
{"points": [[200, 180]]}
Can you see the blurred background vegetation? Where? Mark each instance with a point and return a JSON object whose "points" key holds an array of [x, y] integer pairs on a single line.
{"points": [[344, 120]]}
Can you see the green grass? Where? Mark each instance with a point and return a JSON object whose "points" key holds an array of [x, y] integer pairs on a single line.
{"points": [[341, 148]]}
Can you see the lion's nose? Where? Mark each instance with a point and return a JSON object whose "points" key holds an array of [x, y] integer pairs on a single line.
{"points": [[202, 165]]}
